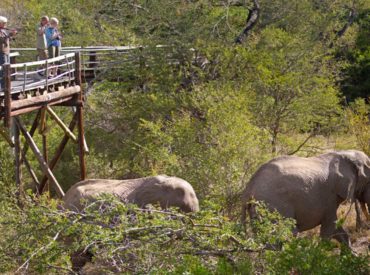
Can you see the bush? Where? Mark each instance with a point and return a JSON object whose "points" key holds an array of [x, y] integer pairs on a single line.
{"points": [[123, 238]]}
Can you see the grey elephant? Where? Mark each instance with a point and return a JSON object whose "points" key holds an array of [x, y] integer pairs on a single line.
{"points": [[310, 190], [162, 189]]}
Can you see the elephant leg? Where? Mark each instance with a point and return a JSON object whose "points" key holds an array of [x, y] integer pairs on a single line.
{"points": [[329, 230], [359, 224]]}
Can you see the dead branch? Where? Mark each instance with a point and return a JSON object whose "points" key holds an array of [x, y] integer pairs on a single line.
{"points": [[351, 18], [312, 134], [251, 21]]}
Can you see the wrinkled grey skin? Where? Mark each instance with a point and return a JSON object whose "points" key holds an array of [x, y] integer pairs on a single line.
{"points": [[310, 190], [162, 189]]}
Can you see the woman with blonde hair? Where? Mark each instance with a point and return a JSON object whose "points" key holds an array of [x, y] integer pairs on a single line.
{"points": [[53, 38]]}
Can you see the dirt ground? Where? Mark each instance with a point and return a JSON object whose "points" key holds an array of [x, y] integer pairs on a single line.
{"points": [[360, 239]]}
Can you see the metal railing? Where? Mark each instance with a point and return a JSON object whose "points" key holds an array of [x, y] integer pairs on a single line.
{"points": [[31, 75]]}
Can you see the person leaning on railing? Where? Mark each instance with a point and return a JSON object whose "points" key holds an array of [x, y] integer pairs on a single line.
{"points": [[54, 44], [5, 35]]}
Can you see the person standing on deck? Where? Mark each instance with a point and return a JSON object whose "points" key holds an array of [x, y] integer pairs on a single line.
{"points": [[53, 38], [41, 44], [5, 35]]}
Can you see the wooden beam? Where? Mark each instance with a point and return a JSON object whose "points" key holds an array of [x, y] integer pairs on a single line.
{"points": [[45, 99], [44, 166], [33, 108], [61, 124], [59, 152]]}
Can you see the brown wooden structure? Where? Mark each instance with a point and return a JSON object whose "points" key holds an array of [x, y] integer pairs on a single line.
{"points": [[28, 89]]}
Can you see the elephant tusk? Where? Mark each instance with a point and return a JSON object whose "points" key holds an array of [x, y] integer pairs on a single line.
{"points": [[366, 213]]}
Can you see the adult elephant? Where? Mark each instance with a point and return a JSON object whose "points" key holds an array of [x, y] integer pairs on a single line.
{"points": [[162, 189], [310, 190]]}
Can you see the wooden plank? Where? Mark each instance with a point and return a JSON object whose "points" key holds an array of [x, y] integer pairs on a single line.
{"points": [[61, 124], [44, 166], [42, 99], [59, 152]]}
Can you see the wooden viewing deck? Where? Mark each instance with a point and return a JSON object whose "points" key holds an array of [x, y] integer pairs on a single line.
{"points": [[27, 89]]}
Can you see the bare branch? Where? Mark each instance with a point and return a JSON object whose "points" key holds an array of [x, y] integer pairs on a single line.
{"points": [[302, 144], [251, 21]]}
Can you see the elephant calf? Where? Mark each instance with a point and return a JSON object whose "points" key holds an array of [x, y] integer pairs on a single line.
{"points": [[310, 190], [165, 190]]}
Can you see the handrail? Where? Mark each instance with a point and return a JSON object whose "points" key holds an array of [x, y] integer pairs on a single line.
{"points": [[42, 62]]}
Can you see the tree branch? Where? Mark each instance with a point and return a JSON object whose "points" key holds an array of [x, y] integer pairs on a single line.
{"points": [[251, 21], [302, 144], [351, 18]]}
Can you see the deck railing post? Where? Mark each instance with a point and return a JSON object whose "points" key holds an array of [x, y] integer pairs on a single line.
{"points": [[80, 115], [7, 94], [18, 163]]}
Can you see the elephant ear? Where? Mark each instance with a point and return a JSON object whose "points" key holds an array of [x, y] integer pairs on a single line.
{"points": [[353, 172], [362, 164], [345, 178]]}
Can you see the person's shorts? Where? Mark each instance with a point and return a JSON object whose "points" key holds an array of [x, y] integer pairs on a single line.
{"points": [[43, 54], [53, 51]]}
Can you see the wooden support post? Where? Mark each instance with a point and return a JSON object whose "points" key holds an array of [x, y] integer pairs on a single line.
{"points": [[42, 123], [18, 163], [81, 143], [42, 131], [44, 166], [7, 94], [45, 154], [24, 158], [31, 172], [6, 136], [32, 131], [61, 124], [59, 152], [81, 149]]}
